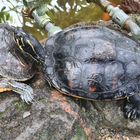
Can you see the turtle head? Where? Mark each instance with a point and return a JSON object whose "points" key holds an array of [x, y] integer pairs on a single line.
{"points": [[29, 45]]}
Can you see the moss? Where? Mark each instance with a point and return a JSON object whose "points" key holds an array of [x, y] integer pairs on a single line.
{"points": [[1, 115], [80, 134], [19, 106]]}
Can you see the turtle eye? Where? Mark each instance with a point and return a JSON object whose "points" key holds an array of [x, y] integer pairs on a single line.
{"points": [[19, 41]]}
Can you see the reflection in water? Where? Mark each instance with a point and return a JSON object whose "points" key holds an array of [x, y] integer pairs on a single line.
{"points": [[62, 12]]}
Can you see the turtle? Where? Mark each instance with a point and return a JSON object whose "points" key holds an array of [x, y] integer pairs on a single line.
{"points": [[92, 62], [15, 68]]}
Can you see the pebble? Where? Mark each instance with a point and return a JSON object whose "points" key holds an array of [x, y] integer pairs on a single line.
{"points": [[26, 114]]}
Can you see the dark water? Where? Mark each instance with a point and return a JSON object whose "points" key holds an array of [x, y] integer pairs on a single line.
{"points": [[62, 12]]}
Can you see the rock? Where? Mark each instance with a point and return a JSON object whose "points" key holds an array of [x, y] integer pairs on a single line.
{"points": [[56, 116], [26, 114], [4, 104], [135, 18], [131, 6]]}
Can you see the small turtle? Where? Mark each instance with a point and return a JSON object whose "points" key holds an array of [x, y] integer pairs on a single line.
{"points": [[14, 65], [93, 62]]}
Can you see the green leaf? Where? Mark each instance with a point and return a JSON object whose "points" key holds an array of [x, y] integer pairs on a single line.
{"points": [[3, 8]]}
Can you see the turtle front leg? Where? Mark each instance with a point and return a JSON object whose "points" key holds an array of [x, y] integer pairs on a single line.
{"points": [[131, 107], [25, 91]]}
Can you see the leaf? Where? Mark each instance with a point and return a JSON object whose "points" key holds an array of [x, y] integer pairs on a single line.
{"points": [[3, 8], [5, 16]]}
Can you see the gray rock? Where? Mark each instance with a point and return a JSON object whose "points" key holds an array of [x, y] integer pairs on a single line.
{"points": [[56, 116]]}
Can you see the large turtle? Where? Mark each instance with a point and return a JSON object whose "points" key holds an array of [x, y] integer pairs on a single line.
{"points": [[14, 65], [93, 62]]}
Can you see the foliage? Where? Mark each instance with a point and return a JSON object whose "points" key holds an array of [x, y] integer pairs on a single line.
{"points": [[10, 12], [4, 15]]}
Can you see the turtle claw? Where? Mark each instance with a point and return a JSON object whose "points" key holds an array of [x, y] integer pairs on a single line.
{"points": [[130, 111], [27, 97], [25, 91]]}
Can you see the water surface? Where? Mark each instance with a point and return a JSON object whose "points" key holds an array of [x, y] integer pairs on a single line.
{"points": [[62, 12]]}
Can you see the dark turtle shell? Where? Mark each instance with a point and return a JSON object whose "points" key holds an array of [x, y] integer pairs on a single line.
{"points": [[93, 62], [13, 65]]}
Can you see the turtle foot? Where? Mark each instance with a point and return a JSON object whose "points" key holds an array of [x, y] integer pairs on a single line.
{"points": [[25, 91], [130, 111], [27, 97], [132, 107]]}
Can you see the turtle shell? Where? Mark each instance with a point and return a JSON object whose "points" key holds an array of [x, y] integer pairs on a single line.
{"points": [[93, 62], [12, 63]]}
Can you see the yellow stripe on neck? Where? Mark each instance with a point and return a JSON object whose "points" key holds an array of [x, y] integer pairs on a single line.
{"points": [[31, 46], [20, 47]]}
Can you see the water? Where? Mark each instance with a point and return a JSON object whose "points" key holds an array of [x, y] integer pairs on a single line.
{"points": [[62, 12]]}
